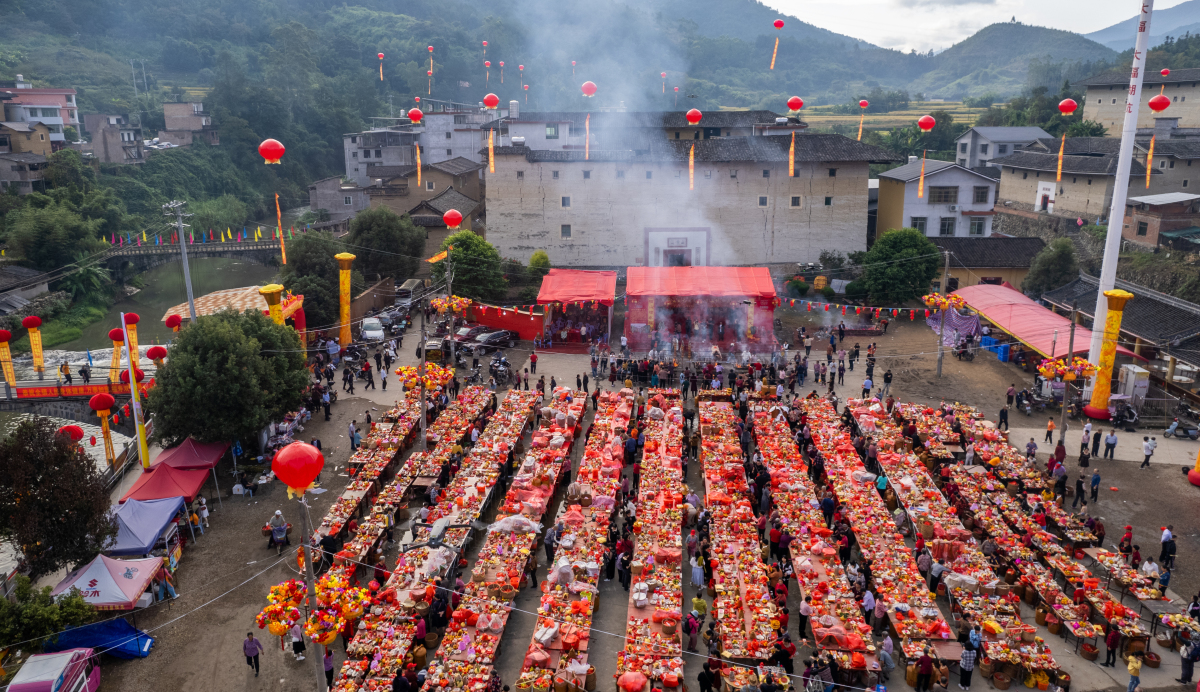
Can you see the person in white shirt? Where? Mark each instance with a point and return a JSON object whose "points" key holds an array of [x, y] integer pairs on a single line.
{"points": [[1167, 534], [1149, 569]]}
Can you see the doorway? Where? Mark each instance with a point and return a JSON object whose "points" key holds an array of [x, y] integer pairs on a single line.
{"points": [[677, 258], [1045, 202]]}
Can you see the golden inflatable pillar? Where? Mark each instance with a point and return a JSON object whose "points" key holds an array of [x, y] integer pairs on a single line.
{"points": [[272, 293], [1102, 384], [344, 260]]}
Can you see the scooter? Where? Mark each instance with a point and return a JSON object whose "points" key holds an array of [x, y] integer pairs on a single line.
{"points": [[1123, 416], [1186, 431]]}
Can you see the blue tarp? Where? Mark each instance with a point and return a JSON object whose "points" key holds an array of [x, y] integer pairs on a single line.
{"points": [[140, 523], [113, 637]]}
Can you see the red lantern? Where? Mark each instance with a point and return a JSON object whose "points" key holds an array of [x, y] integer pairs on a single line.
{"points": [[116, 334], [31, 322], [102, 402], [381, 56], [1164, 72], [418, 98], [132, 318], [429, 72], [156, 353], [173, 322], [572, 63], [501, 63], [5, 335], [521, 68], [1159, 103], [589, 89], [526, 87], [487, 63], [93, 440], [676, 90], [485, 44], [863, 103], [491, 100], [431, 49], [415, 115], [693, 116], [72, 431], [926, 123], [795, 103], [663, 75], [452, 218], [271, 150], [1067, 106], [298, 465], [137, 372], [778, 23]]}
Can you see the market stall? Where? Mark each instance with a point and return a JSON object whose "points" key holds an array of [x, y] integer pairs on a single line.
{"points": [[144, 525], [579, 304], [110, 584], [165, 481]]}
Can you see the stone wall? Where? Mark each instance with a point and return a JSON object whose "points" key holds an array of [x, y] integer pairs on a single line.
{"points": [[1089, 250]]}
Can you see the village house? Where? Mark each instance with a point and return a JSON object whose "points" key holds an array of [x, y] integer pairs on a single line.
{"points": [[1152, 219], [979, 145], [956, 201]]}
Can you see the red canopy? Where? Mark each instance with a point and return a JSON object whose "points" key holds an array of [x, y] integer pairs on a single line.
{"points": [[1028, 322], [747, 282], [577, 285], [165, 481], [192, 455]]}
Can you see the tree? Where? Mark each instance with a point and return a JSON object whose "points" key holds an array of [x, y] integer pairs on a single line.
{"points": [[539, 264], [228, 377], [900, 266], [49, 234], [1086, 128], [477, 267], [1054, 266], [321, 310], [93, 279], [35, 614], [393, 244], [54, 504]]}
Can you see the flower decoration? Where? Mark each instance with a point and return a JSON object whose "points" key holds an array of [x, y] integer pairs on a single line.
{"points": [[943, 302], [1068, 370], [435, 376], [456, 304]]}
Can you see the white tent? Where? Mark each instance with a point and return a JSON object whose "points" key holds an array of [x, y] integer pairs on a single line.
{"points": [[110, 584]]}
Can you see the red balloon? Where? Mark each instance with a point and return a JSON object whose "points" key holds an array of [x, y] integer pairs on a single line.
{"points": [[589, 89], [487, 63], [156, 353], [418, 98], [1067, 106], [415, 115], [491, 100], [174, 321], [431, 49], [1165, 72], [778, 23], [31, 322], [298, 464], [271, 151], [693, 116], [117, 334], [663, 75], [132, 318], [137, 372], [572, 63], [501, 63], [72, 431], [1159, 103], [381, 56], [926, 123], [526, 87], [102, 402], [520, 67], [429, 72], [795, 103], [452, 218], [5, 335], [485, 44], [676, 89], [863, 103]]}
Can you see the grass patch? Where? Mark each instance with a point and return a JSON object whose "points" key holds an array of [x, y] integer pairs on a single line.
{"points": [[68, 327]]}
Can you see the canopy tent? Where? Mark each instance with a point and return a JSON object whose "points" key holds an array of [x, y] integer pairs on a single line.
{"points": [[745, 282], [578, 286], [165, 481], [1027, 321], [111, 584], [114, 637], [140, 523], [193, 455]]}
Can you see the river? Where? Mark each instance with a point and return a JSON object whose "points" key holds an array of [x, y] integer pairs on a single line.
{"points": [[163, 289]]}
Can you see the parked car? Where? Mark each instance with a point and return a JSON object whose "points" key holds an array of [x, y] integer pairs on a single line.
{"points": [[372, 329], [73, 670], [468, 334], [493, 341]]}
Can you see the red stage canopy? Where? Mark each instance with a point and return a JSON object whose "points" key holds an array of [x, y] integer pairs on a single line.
{"points": [[165, 481], [192, 455], [1028, 322], [577, 285], [748, 282]]}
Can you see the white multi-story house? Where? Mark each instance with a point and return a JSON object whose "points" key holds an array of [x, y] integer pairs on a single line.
{"points": [[979, 145], [956, 201]]}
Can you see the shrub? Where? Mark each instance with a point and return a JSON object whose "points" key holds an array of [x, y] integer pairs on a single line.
{"points": [[828, 292]]}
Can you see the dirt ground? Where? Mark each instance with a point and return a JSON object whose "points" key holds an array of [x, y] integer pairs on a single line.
{"points": [[225, 576]]}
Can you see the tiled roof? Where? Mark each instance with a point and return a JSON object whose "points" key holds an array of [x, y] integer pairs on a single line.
{"points": [[388, 172], [456, 166], [447, 200], [24, 157], [809, 148], [1078, 145], [17, 126], [1010, 134], [1086, 165], [992, 172], [991, 252], [1164, 198], [12, 275], [655, 119], [1155, 317], [1121, 78], [912, 171], [1175, 148]]}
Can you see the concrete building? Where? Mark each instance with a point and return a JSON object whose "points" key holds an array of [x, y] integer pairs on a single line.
{"points": [[54, 108], [186, 123], [396, 187], [992, 260], [25, 138], [648, 207], [22, 172], [1027, 183], [1106, 96], [957, 201], [1149, 216], [114, 138], [979, 145], [383, 149], [340, 199]]}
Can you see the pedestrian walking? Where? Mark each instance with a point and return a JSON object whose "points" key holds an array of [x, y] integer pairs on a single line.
{"points": [[297, 633], [1135, 670], [1050, 426], [533, 357], [966, 664], [1003, 423], [1110, 444], [1095, 484], [251, 647], [1148, 451], [1011, 394], [328, 662]]}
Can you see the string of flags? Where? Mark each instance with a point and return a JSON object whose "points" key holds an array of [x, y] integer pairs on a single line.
{"points": [[806, 305], [226, 236]]}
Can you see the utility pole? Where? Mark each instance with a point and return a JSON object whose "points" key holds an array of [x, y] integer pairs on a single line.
{"points": [[310, 581], [421, 379], [177, 207], [145, 86], [1062, 418], [942, 327], [450, 292]]}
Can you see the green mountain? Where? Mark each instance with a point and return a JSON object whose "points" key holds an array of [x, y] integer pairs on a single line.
{"points": [[1171, 21]]}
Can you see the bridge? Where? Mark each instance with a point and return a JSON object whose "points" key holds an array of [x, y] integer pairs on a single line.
{"points": [[149, 256]]}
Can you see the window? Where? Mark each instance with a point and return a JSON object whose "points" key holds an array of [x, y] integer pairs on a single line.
{"points": [[832, 172], [981, 194], [977, 225], [565, 231], [1162, 164], [429, 185], [1172, 162], [795, 200], [1114, 101], [983, 148], [520, 175], [566, 202], [1185, 183], [460, 120], [379, 153], [587, 175], [448, 135], [962, 148], [552, 131], [962, 162], [1142, 228], [943, 195], [346, 201], [732, 172], [992, 280], [946, 225], [1001, 148], [649, 175], [918, 222], [762, 201], [554, 175], [696, 135], [42, 137], [449, 152], [354, 154], [1074, 179], [766, 173], [707, 174], [620, 175], [366, 153], [676, 135], [1025, 174], [1089, 181], [829, 201]]}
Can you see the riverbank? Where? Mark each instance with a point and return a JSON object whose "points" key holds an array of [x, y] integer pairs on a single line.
{"points": [[69, 325]]}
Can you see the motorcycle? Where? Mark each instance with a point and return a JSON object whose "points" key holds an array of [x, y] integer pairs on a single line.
{"points": [[1186, 431], [1123, 416], [475, 377], [964, 352], [1183, 409], [500, 368]]}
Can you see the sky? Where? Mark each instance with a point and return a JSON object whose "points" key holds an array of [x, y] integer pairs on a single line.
{"points": [[939, 24]]}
